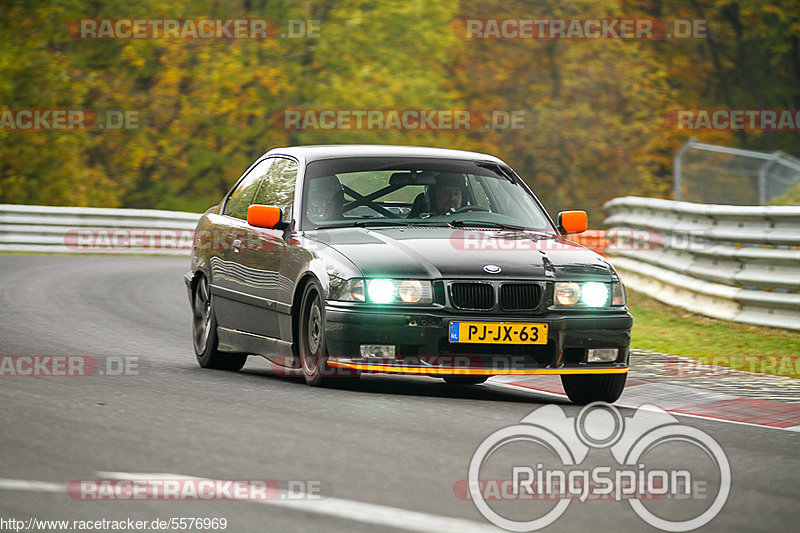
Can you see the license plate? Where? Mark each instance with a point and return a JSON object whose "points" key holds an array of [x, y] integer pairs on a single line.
{"points": [[498, 332]]}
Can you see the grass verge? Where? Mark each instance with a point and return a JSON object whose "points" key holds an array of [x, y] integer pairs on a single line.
{"points": [[673, 330]]}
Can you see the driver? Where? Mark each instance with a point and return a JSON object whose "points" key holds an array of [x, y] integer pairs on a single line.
{"points": [[448, 194], [325, 199]]}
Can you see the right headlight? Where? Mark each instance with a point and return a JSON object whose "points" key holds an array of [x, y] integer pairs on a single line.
{"points": [[618, 298], [589, 294]]}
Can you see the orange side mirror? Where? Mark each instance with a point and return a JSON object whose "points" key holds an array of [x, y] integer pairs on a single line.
{"points": [[263, 216], [572, 222]]}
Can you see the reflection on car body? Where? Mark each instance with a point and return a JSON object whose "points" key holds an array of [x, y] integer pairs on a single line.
{"points": [[333, 261]]}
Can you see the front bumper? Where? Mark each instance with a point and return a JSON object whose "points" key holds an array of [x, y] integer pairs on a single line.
{"points": [[422, 344]]}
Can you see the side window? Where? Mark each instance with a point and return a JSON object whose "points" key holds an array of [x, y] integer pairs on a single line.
{"points": [[241, 198], [277, 185]]}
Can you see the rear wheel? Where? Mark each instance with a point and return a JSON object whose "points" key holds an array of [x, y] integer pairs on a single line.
{"points": [[465, 380], [313, 350], [584, 389], [204, 332]]}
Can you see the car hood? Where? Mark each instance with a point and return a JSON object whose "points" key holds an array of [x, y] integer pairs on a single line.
{"points": [[431, 252]]}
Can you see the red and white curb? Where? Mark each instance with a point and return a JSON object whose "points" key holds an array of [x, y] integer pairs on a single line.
{"points": [[679, 400]]}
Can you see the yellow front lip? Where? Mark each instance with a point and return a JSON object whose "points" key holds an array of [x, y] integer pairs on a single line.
{"points": [[474, 371]]}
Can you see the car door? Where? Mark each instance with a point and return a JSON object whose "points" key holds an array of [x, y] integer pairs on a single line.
{"points": [[228, 279], [255, 255]]}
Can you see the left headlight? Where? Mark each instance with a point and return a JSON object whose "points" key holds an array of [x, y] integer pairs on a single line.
{"points": [[399, 291], [589, 294], [347, 290]]}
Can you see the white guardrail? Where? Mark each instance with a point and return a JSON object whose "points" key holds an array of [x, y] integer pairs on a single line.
{"points": [[738, 263], [36, 228], [731, 262]]}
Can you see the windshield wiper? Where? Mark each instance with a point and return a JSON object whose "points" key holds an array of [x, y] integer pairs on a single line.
{"points": [[382, 223], [485, 224], [372, 223], [361, 224], [428, 222]]}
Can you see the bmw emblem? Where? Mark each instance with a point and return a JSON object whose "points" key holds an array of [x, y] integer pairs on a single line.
{"points": [[492, 269]]}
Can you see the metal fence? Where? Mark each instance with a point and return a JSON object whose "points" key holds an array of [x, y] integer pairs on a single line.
{"points": [[721, 175], [730, 262], [34, 228]]}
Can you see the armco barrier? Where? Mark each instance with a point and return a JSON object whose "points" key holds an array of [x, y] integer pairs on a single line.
{"points": [[35, 228], [739, 263], [732, 262]]}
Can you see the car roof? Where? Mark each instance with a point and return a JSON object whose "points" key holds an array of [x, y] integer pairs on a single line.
{"points": [[315, 152]]}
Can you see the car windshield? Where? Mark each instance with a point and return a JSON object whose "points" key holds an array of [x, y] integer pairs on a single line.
{"points": [[371, 191]]}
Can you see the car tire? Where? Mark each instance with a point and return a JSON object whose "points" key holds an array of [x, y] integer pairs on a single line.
{"points": [[465, 380], [583, 389], [311, 342], [204, 332]]}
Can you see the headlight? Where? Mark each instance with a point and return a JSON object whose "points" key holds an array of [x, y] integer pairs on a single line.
{"points": [[408, 291], [594, 294], [618, 294], [568, 293], [381, 291], [589, 294], [351, 290]]}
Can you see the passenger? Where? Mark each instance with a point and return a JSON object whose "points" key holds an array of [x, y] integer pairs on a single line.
{"points": [[446, 196], [325, 199]]}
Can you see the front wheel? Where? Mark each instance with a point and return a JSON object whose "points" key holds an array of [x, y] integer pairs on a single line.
{"points": [[204, 332], [313, 350], [584, 389]]}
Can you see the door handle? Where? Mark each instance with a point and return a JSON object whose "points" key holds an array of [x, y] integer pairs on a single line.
{"points": [[237, 244]]}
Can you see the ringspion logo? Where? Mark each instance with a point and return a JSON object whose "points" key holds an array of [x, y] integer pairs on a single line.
{"points": [[519, 471]]}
